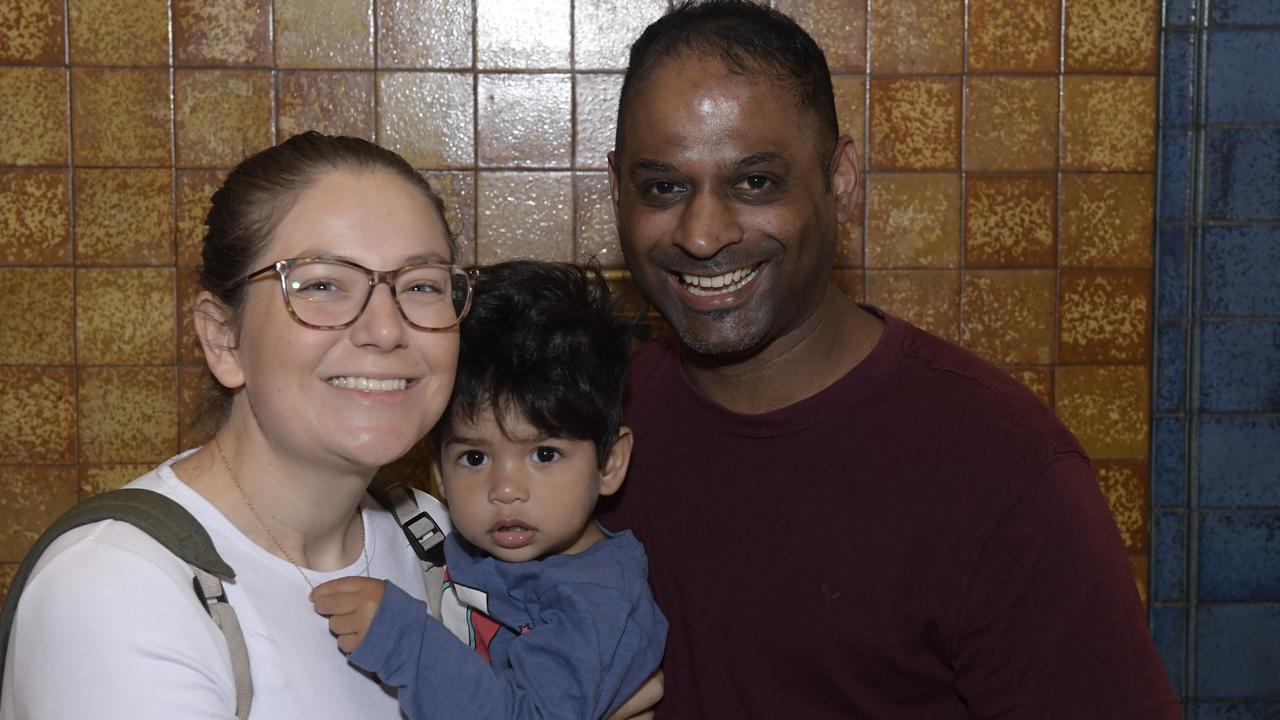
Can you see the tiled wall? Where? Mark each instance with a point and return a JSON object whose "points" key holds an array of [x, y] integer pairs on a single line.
{"points": [[1009, 147], [1216, 428]]}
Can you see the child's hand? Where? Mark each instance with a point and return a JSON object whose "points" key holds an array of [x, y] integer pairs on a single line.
{"points": [[350, 604]]}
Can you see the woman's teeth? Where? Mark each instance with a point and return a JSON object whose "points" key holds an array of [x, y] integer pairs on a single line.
{"points": [[718, 284], [369, 384]]}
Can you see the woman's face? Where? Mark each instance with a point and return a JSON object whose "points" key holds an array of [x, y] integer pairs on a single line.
{"points": [[298, 381]]}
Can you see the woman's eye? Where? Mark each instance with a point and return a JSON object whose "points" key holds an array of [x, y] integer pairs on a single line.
{"points": [[545, 455], [423, 287], [317, 286], [472, 458]]}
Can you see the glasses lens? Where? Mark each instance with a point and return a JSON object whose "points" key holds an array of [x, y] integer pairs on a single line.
{"points": [[326, 294], [428, 295]]}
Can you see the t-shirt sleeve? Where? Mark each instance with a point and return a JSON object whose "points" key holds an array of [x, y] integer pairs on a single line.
{"points": [[106, 631], [1050, 623]]}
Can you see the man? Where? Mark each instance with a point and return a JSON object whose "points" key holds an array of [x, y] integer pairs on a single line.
{"points": [[845, 516]]}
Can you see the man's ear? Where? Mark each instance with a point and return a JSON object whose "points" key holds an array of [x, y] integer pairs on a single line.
{"points": [[615, 466], [844, 178], [615, 181], [216, 327]]}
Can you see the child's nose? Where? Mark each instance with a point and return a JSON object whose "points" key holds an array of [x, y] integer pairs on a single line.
{"points": [[508, 488]]}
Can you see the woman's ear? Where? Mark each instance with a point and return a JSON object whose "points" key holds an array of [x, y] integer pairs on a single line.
{"points": [[615, 466], [216, 327]]}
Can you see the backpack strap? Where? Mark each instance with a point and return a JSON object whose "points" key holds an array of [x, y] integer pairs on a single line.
{"points": [[424, 534], [169, 524]]}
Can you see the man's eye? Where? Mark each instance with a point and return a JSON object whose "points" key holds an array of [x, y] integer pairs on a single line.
{"points": [[545, 455], [755, 183], [472, 458], [661, 189]]}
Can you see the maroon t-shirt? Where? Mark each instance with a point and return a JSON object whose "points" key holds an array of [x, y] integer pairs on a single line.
{"points": [[922, 539]]}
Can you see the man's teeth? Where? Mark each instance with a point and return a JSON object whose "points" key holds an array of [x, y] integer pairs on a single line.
{"points": [[717, 284], [369, 384]]}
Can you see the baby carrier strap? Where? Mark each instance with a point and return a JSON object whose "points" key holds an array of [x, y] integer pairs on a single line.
{"points": [[169, 524], [424, 534]]}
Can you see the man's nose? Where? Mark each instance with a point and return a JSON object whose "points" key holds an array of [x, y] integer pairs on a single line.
{"points": [[707, 225]]}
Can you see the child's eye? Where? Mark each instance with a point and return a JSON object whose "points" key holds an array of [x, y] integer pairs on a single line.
{"points": [[472, 458], [545, 454]]}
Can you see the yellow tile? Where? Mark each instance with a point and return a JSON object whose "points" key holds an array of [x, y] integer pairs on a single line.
{"points": [[189, 352], [1009, 315], [925, 36], [517, 34], [200, 406], [35, 116], [851, 109], [124, 217], [524, 215], [913, 220], [604, 30], [596, 115], [1107, 407], [1010, 220], [838, 26], [221, 116], [1108, 123], [853, 283], [1141, 566], [1112, 36], [335, 103], [39, 304], [1011, 124], [1105, 317], [525, 120], [31, 32], [35, 217], [1125, 487], [37, 415], [424, 33], [120, 116], [1107, 220], [428, 118], [193, 190], [125, 316], [227, 32], [119, 32], [324, 33], [1014, 35], [31, 498], [1039, 380], [851, 237], [915, 123], [458, 190], [97, 479], [597, 236], [928, 299], [128, 414]]}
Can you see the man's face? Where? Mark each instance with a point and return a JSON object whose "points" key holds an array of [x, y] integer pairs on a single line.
{"points": [[724, 216]]}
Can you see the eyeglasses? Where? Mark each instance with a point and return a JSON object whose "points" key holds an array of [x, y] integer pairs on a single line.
{"points": [[330, 294]]}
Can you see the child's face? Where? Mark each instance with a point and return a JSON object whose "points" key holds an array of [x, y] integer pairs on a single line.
{"points": [[525, 498]]}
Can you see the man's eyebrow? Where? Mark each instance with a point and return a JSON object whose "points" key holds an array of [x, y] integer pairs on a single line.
{"points": [[760, 158], [652, 166]]}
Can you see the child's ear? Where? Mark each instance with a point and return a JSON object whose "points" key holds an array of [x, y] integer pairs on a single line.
{"points": [[216, 327], [615, 466]]}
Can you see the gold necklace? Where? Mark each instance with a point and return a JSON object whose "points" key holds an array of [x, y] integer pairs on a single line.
{"points": [[364, 548]]}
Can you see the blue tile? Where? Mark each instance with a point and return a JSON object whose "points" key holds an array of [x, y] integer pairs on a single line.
{"points": [[1218, 710], [1171, 272], [1169, 630], [1238, 651], [1241, 273], [1178, 69], [1169, 557], [1171, 366], [1239, 557], [1239, 90], [1239, 462], [1169, 463], [1245, 12], [1242, 173], [1179, 13], [1240, 366], [1175, 175]]}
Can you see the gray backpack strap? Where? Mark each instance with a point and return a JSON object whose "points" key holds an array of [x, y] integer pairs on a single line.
{"points": [[425, 537], [169, 524]]}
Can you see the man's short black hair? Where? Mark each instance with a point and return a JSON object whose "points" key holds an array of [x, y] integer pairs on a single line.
{"points": [[543, 340], [749, 39]]}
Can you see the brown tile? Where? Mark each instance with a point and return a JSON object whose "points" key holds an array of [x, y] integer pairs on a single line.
{"points": [[124, 217], [1014, 35], [913, 220], [1105, 317], [1107, 220], [851, 109], [323, 33], [335, 103], [424, 33], [596, 115], [221, 116], [120, 116], [39, 304], [517, 34], [427, 117], [928, 299], [31, 498], [200, 408], [1037, 379], [597, 236], [1107, 407], [227, 32], [1010, 220], [37, 415], [1125, 487], [525, 120], [193, 189], [851, 238], [458, 190], [1009, 315], [524, 215], [124, 316], [917, 36], [413, 469], [1141, 566], [31, 33], [853, 283], [839, 27], [7, 572], [128, 414], [1108, 123], [603, 30], [915, 123], [119, 32], [1011, 123], [189, 352], [97, 479], [35, 116], [1112, 36], [35, 217]]}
